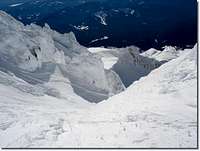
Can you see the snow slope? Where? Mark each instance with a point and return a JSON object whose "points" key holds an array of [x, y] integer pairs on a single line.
{"points": [[109, 57], [165, 55], [45, 76], [160, 110], [33, 120]]}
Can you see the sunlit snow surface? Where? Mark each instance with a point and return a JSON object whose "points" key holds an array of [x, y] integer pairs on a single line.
{"points": [[159, 110], [107, 57]]}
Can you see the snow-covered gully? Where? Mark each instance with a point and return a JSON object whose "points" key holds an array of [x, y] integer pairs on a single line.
{"points": [[56, 93]]}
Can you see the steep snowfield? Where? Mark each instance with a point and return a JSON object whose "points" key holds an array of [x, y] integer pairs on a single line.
{"points": [[46, 78], [33, 120], [160, 110]]}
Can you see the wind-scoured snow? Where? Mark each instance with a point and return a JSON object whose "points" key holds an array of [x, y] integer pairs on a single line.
{"points": [[47, 79]]}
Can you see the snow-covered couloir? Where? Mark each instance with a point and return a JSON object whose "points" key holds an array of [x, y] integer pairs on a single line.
{"points": [[48, 83]]}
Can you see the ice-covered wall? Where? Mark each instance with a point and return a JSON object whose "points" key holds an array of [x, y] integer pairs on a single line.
{"points": [[33, 53]]}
